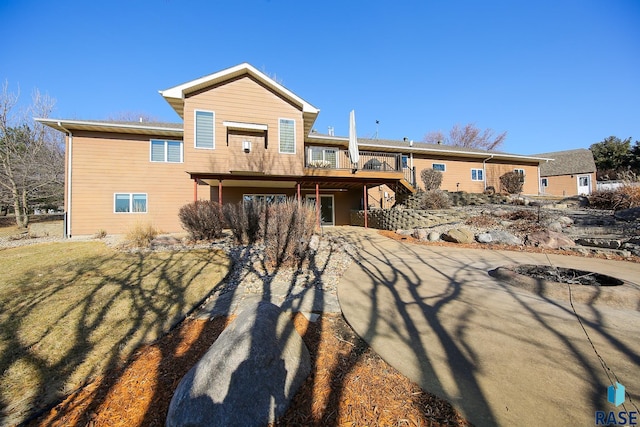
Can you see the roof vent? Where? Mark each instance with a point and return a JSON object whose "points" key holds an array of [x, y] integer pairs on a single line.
{"points": [[330, 130], [140, 119], [439, 142], [411, 143]]}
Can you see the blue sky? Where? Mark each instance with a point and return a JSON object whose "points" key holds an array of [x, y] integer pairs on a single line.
{"points": [[554, 74]]}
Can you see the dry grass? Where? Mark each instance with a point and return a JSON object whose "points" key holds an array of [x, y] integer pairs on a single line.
{"points": [[140, 235], [73, 309], [9, 231]]}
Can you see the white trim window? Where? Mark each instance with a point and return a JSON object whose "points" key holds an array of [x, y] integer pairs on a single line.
{"points": [[544, 182], [477, 175], [130, 203], [204, 129], [520, 172], [287, 136], [166, 151], [440, 167], [322, 157]]}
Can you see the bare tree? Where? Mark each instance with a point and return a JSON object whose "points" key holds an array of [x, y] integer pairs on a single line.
{"points": [[469, 136], [31, 155]]}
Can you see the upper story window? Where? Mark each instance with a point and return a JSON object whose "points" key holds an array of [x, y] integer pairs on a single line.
{"points": [[477, 175], [405, 161], [287, 133], [321, 157], [521, 173], [204, 129], [439, 167], [166, 151], [130, 203]]}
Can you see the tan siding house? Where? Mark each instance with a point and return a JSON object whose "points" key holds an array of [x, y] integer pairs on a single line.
{"points": [[568, 173], [242, 135]]}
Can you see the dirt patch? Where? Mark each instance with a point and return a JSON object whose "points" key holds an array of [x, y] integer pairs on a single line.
{"points": [[349, 384]]}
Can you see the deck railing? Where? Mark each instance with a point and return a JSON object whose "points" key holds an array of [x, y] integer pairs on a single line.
{"points": [[332, 158]]}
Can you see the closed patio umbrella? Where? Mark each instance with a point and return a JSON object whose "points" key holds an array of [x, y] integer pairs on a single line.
{"points": [[354, 154]]}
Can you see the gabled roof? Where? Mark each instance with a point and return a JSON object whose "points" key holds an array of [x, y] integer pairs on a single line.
{"points": [[569, 162], [407, 147], [139, 128], [175, 95]]}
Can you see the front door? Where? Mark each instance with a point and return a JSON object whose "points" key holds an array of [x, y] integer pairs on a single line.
{"points": [[327, 216], [584, 184]]}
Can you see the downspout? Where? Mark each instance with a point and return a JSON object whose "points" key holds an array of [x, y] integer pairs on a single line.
{"points": [[69, 175], [484, 171], [540, 179]]}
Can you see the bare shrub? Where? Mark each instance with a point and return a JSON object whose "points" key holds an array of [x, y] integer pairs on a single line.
{"points": [[431, 178], [512, 182], [481, 221], [625, 197], [288, 227], [435, 199], [101, 234], [202, 219], [245, 220], [141, 235], [522, 214]]}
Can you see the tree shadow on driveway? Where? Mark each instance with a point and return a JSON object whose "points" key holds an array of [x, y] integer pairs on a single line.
{"points": [[501, 355]]}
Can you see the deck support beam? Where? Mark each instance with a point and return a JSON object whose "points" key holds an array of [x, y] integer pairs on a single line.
{"points": [[195, 190], [220, 192], [318, 204], [366, 202]]}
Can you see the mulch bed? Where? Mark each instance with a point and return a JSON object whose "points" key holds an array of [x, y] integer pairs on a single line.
{"points": [[350, 385]]}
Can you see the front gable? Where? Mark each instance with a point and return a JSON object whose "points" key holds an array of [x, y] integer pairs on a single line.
{"points": [[254, 128]]}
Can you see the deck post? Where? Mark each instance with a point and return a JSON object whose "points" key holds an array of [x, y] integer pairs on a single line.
{"points": [[195, 190], [366, 202], [318, 204], [299, 197], [220, 192]]}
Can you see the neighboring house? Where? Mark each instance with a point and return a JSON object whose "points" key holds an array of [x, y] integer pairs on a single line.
{"points": [[571, 173], [242, 136]]}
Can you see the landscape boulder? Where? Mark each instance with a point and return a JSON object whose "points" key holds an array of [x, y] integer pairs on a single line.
{"points": [[420, 233], [459, 235], [499, 237], [434, 236], [548, 239], [248, 376]]}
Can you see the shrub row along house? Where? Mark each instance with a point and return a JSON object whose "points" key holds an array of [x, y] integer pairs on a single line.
{"points": [[244, 136]]}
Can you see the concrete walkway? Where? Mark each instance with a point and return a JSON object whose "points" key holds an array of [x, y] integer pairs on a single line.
{"points": [[500, 354]]}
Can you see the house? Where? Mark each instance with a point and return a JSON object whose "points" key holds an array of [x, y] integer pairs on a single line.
{"points": [[244, 136], [571, 173]]}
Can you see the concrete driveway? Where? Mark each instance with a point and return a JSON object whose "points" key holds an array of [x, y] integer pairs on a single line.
{"points": [[500, 354]]}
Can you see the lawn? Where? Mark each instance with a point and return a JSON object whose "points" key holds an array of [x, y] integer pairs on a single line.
{"points": [[72, 310]]}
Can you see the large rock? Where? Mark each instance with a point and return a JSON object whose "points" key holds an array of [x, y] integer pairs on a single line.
{"points": [[499, 237], [434, 236], [247, 377], [548, 239], [420, 233], [459, 235]]}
